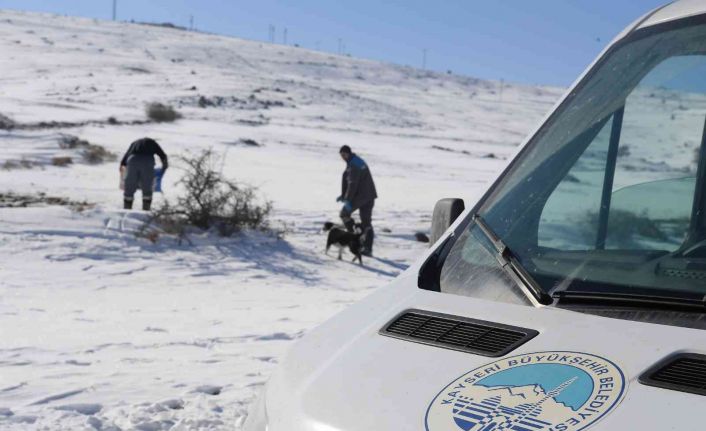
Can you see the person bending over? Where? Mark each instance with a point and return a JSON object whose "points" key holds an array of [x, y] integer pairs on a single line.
{"points": [[139, 163]]}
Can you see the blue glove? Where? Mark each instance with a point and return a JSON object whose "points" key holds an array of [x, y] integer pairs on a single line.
{"points": [[347, 206], [339, 199]]}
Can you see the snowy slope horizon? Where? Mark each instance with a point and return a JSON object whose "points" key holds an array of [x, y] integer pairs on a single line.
{"points": [[60, 75], [104, 330]]}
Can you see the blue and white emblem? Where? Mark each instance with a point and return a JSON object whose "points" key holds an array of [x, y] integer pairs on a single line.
{"points": [[550, 391]]}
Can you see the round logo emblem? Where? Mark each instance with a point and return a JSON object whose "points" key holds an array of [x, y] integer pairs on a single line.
{"points": [[552, 391]]}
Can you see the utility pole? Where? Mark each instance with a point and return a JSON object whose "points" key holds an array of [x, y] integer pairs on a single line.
{"points": [[191, 22], [284, 37], [424, 59], [340, 46], [271, 34], [115, 9]]}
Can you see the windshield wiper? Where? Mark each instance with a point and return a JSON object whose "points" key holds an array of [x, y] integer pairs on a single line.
{"points": [[656, 299], [512, 266]]}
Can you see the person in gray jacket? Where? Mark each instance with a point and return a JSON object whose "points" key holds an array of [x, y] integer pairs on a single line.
{"points": [[358, 193], [139, 162]]}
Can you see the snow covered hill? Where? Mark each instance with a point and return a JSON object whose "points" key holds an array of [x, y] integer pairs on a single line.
{"points": [[102, 330]]}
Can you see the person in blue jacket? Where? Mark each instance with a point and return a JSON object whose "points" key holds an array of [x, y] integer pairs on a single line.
{"points": [[358, 193]]}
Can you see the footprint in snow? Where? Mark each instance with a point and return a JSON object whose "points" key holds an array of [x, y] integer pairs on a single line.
{"points": [[275, 336], [172, 404], [162, 425], [12, 388], [22, 419], [96, 423], [84, 409], [78, 363], [209, 389], [56, 397]]}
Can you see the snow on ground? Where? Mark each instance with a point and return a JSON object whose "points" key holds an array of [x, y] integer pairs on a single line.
{"points": [[102, 330]]}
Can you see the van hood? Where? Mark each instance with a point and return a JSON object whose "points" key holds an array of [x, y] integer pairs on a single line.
{"points": [[580, 372]]}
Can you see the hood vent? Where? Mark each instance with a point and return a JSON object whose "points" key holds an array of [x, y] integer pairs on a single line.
{"points": [[457, 333], [684, 372]]}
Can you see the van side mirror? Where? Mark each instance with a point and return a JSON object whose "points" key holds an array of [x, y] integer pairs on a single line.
{"points": [[446, 211]]}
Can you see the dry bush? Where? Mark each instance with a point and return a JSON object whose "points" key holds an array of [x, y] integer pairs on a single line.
{"points": [[71, 142], [6, 123], [8, 165], [624, 227], [161, 113], [211, 202], [27, 164], [95, 154], [18, 164], [61, 161], [90, 153], [14, 200]]}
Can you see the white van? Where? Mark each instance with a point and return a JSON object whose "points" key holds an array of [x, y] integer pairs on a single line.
{"points": [[572, 295]]}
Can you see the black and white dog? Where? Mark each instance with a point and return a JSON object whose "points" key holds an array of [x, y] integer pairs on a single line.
{"points": [[339, 236]]}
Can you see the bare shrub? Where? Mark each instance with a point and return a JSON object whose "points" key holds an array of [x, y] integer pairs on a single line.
{"points": [[14, 200], [27, 164], [18, 164], [624, 151], [70, 142], [246, 142], [6, 123], [211, 201], [9, 165], [90, 153], [625, 227], [61, 161], [421, 237], [161, 113], [95, 154]]}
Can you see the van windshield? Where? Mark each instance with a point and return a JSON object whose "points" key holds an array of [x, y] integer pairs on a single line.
{"points": [[610, 193]]}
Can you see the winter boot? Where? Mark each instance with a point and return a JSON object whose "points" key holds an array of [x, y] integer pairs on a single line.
{"points": [[367, 242], [146, 204], [127, 203]]}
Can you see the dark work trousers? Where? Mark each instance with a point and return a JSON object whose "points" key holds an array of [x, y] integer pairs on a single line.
{"points": [[366, 224], [140, 174]]}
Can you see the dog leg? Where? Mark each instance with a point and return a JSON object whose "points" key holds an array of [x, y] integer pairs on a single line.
{"points": [[340, 253]]}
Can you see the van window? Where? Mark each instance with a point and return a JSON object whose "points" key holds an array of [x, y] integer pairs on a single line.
{"points": [[651, 194], [611, 192]]}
